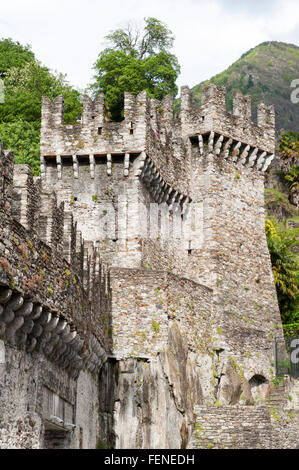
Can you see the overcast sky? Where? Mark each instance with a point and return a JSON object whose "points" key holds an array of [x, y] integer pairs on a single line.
{"points": [[67, 35]]}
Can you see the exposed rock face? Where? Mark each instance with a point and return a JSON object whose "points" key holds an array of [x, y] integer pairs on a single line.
{"points": [[151, 399], [246, 393], [230, 388]]}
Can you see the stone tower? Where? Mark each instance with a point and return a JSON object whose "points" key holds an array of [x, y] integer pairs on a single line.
{"points": [[191, 278]]}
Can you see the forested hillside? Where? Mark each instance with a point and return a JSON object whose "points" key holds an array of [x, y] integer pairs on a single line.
{"points": [[265, 73]]}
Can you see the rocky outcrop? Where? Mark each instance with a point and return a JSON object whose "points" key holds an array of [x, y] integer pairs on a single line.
{"points": [[146, 402]]}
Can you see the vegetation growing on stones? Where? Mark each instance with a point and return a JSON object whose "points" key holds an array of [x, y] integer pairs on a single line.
{"points": [[155, 327]]}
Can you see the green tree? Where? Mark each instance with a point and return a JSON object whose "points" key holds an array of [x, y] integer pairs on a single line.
{"points": [[136, 61], [156, 37], [292, 178], [24, 88], [23, 138], [282, 244], [289, 145], [13, 54], [289, 155], [26, 80]]}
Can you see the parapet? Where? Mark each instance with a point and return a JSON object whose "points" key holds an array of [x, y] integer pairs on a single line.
{"points": [[52, 111], [265, 116], [187, 98], [149, 126], [25, 197], [94, 134], [213, 97], [242, 106], [212, 116], [93, 110]]}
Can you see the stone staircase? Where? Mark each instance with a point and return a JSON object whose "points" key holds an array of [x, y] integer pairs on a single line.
{"points": [[270, 424], [277, 398]]}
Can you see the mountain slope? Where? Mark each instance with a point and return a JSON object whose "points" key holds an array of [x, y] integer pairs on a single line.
{"points": [[265, 73]]}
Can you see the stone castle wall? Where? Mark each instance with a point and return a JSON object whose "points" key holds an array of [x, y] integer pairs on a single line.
{"points": [[138, 263], [49, 328]]}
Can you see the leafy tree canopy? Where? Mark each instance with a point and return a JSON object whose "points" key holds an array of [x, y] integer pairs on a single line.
{"points": [[136, 61], [289, 154], [24, 88], [23, 138], [26, 80], [130, 40], [13, 54], [283, 245]]}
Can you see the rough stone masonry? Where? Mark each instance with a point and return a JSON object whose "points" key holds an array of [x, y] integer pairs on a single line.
{"points": [[137, 303]]}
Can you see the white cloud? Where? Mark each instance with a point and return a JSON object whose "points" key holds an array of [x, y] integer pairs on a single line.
{"points": [[210, 35]]}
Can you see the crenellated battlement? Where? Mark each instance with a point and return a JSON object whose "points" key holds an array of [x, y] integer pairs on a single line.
{"points": [[213, 116], [93, 111], [149, 126], [53, 111], [96, 160], [152, 156], [94, 134]]}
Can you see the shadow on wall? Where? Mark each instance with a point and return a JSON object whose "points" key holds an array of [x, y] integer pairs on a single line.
{"points": [[259, 386]]}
